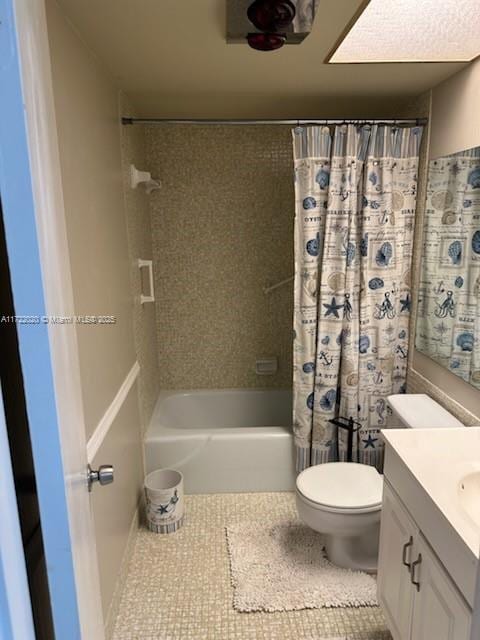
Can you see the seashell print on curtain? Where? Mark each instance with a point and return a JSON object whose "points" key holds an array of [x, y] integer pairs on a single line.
{"points": [[355, 198], [448, 319]]}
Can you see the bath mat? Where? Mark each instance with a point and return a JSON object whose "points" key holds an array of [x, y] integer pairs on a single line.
{"points": [[283, 567]]}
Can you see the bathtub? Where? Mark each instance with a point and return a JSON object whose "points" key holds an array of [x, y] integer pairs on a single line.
{"points": [[224, 441]]}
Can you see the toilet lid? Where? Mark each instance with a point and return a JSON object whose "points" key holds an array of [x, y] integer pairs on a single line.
{"points": [[343, 485]]}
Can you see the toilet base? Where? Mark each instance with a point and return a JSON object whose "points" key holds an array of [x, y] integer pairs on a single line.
{"points": [[350, 539], [358, 553]]}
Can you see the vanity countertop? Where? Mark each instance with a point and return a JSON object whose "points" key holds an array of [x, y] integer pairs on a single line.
{"points": [[427, 468]]}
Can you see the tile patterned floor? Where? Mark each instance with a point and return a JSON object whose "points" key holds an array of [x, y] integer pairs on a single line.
{"points": [[178, 585]]}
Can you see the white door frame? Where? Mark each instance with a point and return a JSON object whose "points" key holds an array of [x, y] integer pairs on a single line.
{"points": [[34, 216]]}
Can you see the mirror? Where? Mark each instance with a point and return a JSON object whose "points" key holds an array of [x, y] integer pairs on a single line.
{"points": [[448, 318]]}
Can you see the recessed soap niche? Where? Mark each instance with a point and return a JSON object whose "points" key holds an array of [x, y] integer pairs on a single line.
{"points": [[146, 281]]}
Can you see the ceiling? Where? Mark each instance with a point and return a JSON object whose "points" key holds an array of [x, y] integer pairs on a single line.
{"points": [[171, 58]]}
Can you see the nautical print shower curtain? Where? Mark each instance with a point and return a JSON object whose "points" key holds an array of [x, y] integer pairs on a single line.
{"points": [[448, 319], [355, 193]]}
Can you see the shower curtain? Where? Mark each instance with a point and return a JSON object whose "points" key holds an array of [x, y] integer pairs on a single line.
{"points": [[355, 196], [448, 319]]}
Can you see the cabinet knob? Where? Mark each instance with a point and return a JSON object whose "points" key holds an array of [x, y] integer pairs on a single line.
{"points": [[415, 564], [406, 547]]}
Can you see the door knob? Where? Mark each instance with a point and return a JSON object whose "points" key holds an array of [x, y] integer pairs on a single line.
{"points": [[103, 475]]}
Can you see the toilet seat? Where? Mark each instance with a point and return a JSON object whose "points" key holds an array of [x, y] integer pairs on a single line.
{"points": [[341, 487]]}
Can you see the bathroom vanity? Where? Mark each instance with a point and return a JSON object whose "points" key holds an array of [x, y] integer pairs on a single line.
{"points": [[430, 532]]}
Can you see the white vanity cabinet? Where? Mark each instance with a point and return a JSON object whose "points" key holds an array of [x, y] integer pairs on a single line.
{"points": [[418, 597], [397, 535]]}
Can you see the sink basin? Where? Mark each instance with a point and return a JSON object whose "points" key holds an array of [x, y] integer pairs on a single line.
{"points": [[469, 494], [446, 463]]}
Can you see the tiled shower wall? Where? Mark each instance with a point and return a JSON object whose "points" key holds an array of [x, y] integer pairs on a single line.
{"points": [[222, 228]]}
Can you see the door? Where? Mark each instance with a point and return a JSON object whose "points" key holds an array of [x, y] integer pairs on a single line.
{"points": [[440, 611], [30, 189], [16, 622], [13, 398], [397, 538]]}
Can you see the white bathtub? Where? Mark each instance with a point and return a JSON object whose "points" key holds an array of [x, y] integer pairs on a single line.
{"points": [[224, 441]]}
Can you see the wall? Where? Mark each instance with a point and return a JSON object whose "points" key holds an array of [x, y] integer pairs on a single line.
{"points": [[87, 115], [455, 115], [139, 233], [455, 125], [222, 230]]}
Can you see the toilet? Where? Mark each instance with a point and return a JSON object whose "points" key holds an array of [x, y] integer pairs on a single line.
{"points": [[343, 500]]}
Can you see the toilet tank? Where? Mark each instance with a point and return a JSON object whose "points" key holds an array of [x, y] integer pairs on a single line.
{"points": [[418, 411]]}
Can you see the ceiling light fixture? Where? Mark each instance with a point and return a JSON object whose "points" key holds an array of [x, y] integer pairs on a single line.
{"points": [[266, 41], [267, 25], [411, 31], [271, 15], [271, 18]]}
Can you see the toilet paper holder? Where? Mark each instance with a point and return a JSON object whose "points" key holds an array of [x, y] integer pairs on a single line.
{"points": [[352, 427]]}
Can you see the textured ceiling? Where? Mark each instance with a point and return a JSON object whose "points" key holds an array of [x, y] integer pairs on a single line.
{"points": [[386, 31], [170, 56]]}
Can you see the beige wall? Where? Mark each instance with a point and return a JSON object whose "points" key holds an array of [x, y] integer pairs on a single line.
{"points": [[87, 113], [86, 105], [455, 125], [114, 506], [455, 112], [222, 230]]}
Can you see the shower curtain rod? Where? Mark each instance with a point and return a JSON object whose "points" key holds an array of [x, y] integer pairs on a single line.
{"points": [[399, 122]]}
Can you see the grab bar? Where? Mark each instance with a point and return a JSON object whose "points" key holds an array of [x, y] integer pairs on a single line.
{"points": [[267, 290], [151, 294]]}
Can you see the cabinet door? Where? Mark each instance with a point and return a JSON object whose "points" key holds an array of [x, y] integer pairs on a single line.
{"points": [[439, 610], [398, 534]]}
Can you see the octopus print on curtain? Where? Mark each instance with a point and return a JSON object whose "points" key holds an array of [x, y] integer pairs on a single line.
{"points": [[355, 197]]}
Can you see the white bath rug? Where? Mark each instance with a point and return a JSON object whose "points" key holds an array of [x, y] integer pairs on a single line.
{"points": [[283, 567]]}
